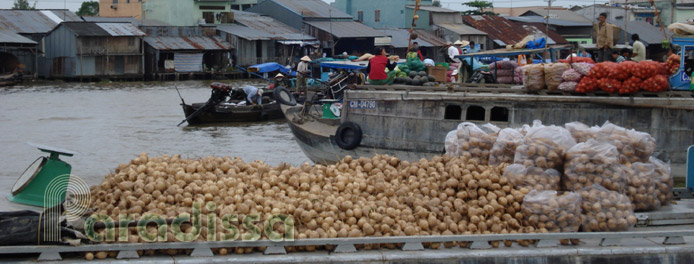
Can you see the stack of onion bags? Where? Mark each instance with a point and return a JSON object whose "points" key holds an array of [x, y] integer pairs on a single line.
{"points": [[641, 186], [544, 147], [581, 132], [633, 145], [504, 149]]}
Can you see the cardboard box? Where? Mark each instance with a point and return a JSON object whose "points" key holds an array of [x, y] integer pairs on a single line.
{"points": [[439, 72]]}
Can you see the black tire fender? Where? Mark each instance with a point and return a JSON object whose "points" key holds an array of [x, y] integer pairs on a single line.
{"points": [[348, 135], [283, 96]]}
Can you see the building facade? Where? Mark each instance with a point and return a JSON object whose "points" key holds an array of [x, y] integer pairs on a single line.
{"points": [[121, 8], [379, 14], [175, 12]]}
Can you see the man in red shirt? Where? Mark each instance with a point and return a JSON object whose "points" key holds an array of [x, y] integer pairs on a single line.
{"points": [[377, 68]]}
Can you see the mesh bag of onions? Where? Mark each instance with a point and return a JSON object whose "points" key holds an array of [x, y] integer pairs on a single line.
{"points": [[603, 210], [532, 178], [549, 211], [633, 145], [593, 162], [544, 147], [504, 148], [664, 182], [641, 186], [533, 77], [475, 142], [581, 132]]}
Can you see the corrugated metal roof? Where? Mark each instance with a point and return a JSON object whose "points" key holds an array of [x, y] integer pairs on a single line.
{"points": [[430, 37], [276, 29], [552, 21], [245, 32], [188, 43], [85, 29], [462, 29], [567, 15], [434, 9], [33, 21], [502, 30], [121, 29], [7, 36], [346, 29], [312, 8], [136, 22], [400, 38]]}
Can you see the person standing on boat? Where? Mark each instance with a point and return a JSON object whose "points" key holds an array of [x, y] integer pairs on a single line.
{"points": [[377, 68], [638, 50], [302, 72], [452, 53], [603, 38], [253, 94]]}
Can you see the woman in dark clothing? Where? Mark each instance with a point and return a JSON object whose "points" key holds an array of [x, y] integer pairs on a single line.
{"points": [[377, 68]]}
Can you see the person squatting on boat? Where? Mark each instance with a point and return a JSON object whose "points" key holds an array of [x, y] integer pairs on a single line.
{"points": [[377, 68], [280, 81], [253, 94]]}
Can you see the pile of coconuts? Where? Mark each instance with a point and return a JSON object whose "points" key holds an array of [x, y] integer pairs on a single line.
{"points": [[364, 197]]}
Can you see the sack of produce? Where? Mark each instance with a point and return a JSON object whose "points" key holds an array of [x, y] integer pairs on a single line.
{"points": [[672, 64], [581, 132], [532, 178], [601, 70], [518, 75], [475, 143], [623, 70], [544, 147], [504, 149], [587, 84], [551, 211], [603, 210], [647, 69], [657, 83], [641, 188], [451, 143], [582, 67], [631, 85], [576, 59], [571, 75], [663, 180], [503, 65], [568, 86], [635, 146], [609, 85], [533, 77], [553, 73], [593, 162]]}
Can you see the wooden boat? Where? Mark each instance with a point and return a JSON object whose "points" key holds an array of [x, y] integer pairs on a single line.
{"points": [[411, 122], [227, 112]]}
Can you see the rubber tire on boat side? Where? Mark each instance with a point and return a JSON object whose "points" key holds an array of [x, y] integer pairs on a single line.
{"points": [[280, 93], [348, 135]]}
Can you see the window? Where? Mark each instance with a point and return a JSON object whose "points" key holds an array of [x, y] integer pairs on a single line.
{"points": [[475, 113], [499, 114], [209, 17], [377, 16], [453, 112], [213, 7], [127, 1], [360, 16], [115, 2]]}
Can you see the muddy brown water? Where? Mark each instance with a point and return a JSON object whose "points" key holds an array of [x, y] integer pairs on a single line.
{"points": [[109, 124]]}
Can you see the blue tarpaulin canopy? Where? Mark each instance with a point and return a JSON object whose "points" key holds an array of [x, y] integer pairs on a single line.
{"points": [[348, 65], [271, 67]]}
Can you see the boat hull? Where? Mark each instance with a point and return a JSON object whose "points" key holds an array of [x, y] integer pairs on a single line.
{"points": [[228, 114]]}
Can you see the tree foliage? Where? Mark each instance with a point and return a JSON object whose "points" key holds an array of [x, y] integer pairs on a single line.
{"points": [[89, 8], [23, 5], [436, 3], [480, 5]]}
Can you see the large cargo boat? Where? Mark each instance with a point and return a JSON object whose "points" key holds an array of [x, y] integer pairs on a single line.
{"points": [[412, 122]]}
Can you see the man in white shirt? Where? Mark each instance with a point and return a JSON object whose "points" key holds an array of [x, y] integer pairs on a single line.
{"points": [[302, 71], [639, 50], [453, 52]]}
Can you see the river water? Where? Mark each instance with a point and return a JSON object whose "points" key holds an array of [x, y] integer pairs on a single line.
{"points": [[112, 123]]}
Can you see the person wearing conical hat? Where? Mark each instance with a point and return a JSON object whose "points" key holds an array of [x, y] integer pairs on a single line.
{"points": [[280, 81], [302, 72], [452, 53]]}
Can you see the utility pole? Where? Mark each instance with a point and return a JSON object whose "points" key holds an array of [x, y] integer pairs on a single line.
{"points": [[673, 5], [549, 7], [626, 7]]}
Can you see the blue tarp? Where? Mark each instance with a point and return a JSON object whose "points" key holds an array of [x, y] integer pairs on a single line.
{"points": [[271, 67], [536, 44], [342, 66]]}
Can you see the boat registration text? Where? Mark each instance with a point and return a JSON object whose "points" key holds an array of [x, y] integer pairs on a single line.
{"points": [[362, 104]]}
